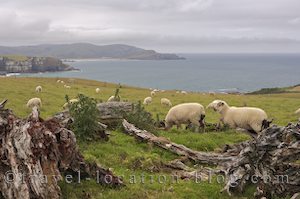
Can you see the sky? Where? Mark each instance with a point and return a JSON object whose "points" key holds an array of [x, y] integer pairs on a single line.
{"points": [[180, 26]]}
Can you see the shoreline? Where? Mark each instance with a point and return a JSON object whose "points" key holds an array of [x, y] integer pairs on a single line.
{"points": [[230, 91]]}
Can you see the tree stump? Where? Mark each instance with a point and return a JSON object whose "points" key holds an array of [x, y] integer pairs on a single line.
{"points": [[35, 154]]}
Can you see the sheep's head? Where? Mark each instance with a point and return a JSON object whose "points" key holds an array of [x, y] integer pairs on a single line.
{"points": [[217, 105], [161, 124]]}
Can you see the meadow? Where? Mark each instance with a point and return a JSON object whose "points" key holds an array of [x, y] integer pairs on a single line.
{"points": [[127, 157]]}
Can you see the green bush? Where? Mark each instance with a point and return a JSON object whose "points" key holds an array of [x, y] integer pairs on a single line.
{"points": [[85, 115], [140, 118]]}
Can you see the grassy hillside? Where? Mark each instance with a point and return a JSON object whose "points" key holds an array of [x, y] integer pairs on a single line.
{"points": [[16, 57], [128, 157]]}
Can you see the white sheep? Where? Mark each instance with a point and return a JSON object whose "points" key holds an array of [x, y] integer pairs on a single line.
{"points": [[165, 102], [249, 118], [71, 101], [58, 81], [34, 102], [297, 112], [38, 89], [211, 93], [67, 87], [147, 100], [152, 93], [62, 82], [186, 113], [183, 92], [97, 90], [113, 99]]}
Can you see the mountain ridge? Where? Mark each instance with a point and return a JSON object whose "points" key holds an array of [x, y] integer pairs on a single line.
{"points": [[87, 51]]}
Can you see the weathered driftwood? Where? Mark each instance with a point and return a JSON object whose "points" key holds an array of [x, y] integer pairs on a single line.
{"points": [[197, 156], [111, 111], [182, 171], [268, 161], [35, 154]]}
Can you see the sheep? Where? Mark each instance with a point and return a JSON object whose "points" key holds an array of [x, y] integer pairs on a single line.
{"points": [[183, 92], [58, 81], [211, 93], [97, 90], [113, 99], [249, 118], [147, 100], [38, 89], [62, 82], [297, 112], [152, 93], [71, 101], [67, 87], [186, 113], [34, 102], [166, 102]]}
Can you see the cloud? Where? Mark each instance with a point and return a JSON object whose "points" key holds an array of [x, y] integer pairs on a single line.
{"points": [[166, 25]]}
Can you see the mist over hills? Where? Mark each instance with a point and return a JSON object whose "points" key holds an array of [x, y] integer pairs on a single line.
{"points": [[88, 51]]}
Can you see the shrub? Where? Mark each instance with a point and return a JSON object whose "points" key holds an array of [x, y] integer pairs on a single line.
{"points": [[85, 115], [140, 118]]}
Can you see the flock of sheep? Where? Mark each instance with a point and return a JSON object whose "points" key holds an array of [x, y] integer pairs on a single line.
{"points": [[251, 119]]}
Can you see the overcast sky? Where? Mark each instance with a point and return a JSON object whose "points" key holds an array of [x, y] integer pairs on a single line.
{"points": [[162, 25]]}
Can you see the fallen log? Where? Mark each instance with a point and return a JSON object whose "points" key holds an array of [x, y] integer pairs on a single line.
{"points": [[197, 156], [272, 155], [269, 161], [36, 154], [113, 111], [110, 112]]}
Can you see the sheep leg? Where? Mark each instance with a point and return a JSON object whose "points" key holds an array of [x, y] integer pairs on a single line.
{"points": [[197, 123], [178, 126], [248, 132], [220, 124]]}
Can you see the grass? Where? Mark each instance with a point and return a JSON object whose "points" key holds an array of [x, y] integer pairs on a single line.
{"points": [[128, 157], [16, 57]]}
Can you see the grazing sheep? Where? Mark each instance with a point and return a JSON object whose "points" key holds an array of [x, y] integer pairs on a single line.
{"points": [[249, 118], [58, 81], [186, 113], [34, 102], [71, 101], [183, 92], [166, 102], [67, 87], [38, 89], [177, 91], [97, 90], [152, 93], [62, 82], [113, 99], [147, 100], [212, 93]]}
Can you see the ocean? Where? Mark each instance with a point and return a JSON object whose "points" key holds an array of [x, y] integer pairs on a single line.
{"points": [[199, 72]]}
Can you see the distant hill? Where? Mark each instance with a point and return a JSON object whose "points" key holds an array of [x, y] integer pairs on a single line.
{"points": [[87, 51]]}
